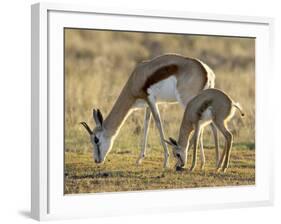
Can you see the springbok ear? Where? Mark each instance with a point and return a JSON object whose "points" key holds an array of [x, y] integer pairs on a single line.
{"points": [[173, 141], [86, 126], [100, 116], [169, 142], [97, 117]]}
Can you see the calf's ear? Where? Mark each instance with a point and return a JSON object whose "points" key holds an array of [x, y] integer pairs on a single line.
{"points": [[173, 141]]}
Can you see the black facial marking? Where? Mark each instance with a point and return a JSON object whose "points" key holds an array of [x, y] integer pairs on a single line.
{"points": [[96, 140], [179, 158]]}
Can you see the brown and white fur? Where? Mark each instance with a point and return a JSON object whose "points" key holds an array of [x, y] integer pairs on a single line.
{"points": [[168, 78], [211, 105]]}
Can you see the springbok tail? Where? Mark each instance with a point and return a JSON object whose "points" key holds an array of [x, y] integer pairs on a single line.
{"points": [[238, 106]]}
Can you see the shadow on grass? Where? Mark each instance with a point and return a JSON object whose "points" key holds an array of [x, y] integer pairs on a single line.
{"points": [[144, 175], [119, 174], [152, 174], [239, 145]]}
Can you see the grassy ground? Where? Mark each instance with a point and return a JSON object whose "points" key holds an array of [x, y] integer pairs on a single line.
{"points": [[120, 173], [97, 66]]}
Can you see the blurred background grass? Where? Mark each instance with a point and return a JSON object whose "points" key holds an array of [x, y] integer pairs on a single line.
{"points": [[98, 64]]}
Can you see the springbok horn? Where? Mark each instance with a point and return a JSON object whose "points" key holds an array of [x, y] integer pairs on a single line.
{"points": [[87, 127]]}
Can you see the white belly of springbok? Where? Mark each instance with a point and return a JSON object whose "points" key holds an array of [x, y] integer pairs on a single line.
{"points": [[164, 91]]}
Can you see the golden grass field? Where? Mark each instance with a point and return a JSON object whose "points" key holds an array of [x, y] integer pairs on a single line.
{"points": [[97, 66]]}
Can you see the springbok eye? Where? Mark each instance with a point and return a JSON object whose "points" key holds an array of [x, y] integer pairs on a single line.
{"points": [[178, 155], [96, 140]]}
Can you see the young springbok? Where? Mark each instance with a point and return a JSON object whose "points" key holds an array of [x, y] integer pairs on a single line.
{"points": [[211, 105], [168, 78]]}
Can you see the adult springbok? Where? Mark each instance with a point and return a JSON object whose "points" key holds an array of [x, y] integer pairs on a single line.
{"points": [[211, 105], [168, 78]]}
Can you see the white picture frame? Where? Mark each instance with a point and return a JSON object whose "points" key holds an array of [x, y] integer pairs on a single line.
{"points": [[48, 201]]}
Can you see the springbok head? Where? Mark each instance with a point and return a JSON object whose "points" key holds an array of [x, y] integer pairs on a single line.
{"points": [[100, 141], [178, 153]]}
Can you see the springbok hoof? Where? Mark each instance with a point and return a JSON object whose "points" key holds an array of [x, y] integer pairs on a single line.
{"points": [[224, 169], [138, 162]]}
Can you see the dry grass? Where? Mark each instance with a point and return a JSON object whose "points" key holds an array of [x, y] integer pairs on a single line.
{"points": [[120, 173], [97, 65]]}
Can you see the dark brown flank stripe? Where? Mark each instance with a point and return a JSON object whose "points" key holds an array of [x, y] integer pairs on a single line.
{"points": [[204, 106], [160, 74]]}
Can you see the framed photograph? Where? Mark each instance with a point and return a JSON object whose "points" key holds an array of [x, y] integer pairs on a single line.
{"points": [[148, 111]]}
